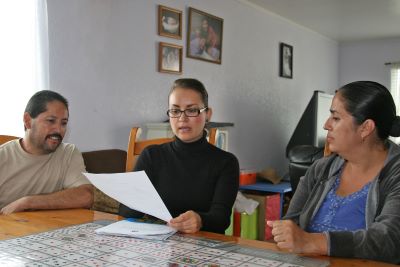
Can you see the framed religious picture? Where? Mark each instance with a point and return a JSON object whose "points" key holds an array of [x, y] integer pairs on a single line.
{"points": [[204, 37], [169, 22], [170, 58], [286, 60]]}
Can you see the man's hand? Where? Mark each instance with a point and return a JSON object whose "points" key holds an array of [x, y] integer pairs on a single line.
{"points": [[16, 206], [291, 237], [188, 222]]}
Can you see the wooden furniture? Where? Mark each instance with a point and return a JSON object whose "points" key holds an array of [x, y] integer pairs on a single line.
{"points": [[163, 130], [212, 132], [25, 223], [135, 146], [6, 138], [327, 151]]}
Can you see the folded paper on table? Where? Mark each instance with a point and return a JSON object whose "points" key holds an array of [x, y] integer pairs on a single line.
{"points": [[134, 190], [132, 228]]}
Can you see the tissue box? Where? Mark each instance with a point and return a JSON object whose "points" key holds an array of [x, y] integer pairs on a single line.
{"points": [[268, 209], [244, 225], [249, 225], [247, 177]]}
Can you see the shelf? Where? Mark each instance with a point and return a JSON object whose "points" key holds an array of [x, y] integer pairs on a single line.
{"points": [[282, 187], [266, 187]]}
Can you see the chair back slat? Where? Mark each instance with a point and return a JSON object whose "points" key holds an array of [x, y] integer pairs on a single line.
{"points": [[135, 147], [6, 138]]}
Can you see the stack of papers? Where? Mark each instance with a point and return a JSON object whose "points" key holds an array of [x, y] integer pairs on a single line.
{"points": [[132, 228], [134, 190]]}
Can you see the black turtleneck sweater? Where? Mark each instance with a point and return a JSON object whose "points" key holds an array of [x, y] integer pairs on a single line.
{"points": [[192, 176]]}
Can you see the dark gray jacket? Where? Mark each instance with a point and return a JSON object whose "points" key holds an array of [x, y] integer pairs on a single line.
{"points": [[381, 238]]}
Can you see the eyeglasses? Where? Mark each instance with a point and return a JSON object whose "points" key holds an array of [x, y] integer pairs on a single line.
{"points": [[189, 112]]}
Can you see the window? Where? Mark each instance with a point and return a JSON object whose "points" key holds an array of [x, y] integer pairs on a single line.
{"points": [[395, 85], [24, 60], [395, 90]]}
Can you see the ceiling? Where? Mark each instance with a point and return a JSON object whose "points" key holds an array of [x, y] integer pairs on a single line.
{"points": [[341, 20]]}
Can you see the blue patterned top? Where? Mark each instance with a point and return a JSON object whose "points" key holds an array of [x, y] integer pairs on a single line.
{"points": [[341, 213]]}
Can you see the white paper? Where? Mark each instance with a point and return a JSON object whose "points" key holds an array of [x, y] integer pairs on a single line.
{"points": [[135, 229], [134, 190]]}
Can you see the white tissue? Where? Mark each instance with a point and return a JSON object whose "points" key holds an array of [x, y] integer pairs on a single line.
{"points": [[243, 204]]}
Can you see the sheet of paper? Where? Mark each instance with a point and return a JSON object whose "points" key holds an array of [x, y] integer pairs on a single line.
{"points": [[134, 190]]}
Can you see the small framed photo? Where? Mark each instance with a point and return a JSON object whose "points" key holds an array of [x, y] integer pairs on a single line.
{"points": [[170, 58], [169, 22], [204, 37], [286, 60]]}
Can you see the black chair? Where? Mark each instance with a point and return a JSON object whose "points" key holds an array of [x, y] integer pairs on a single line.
{"points": [[300, 159]]}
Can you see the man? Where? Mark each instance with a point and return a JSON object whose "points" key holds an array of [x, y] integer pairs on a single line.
{"points": [[39, 171]]}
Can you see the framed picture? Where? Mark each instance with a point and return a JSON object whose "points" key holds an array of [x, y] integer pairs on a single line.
{"points": [[170, 58], [204, 37], [285, 60], [169, 22]]}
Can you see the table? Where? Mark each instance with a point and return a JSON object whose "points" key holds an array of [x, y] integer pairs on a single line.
{"points": [[281, 188], [25, 223]]}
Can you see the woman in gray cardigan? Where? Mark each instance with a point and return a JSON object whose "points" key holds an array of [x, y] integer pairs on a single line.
{"points": [[348, 204]]}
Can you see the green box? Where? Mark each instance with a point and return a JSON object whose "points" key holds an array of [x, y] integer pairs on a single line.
{"points": [[249, 225]]}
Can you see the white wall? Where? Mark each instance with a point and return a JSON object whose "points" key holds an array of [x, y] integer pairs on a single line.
{"points": [[365, 60], [103, 58]]}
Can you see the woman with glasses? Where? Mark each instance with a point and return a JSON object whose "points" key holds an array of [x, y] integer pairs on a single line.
{"points": [[197, 181]]}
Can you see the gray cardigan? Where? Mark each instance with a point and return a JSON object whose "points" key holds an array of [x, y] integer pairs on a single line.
{"points": [[381, 238]]}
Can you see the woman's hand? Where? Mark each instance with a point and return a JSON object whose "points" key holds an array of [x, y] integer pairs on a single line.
{"points": [[188, 222], [291, 237]]}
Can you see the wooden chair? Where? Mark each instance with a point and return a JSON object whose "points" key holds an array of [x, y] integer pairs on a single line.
{"points": [[327, 151], [135, 147], [6, 138]]}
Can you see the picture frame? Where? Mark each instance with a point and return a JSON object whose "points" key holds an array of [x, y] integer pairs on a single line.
{"points": [[204, 36], [169, 22], [170, 58], [285, 61]]}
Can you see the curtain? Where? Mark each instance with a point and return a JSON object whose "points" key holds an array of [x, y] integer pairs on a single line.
{"points": [[42, 42], [24, 59]]}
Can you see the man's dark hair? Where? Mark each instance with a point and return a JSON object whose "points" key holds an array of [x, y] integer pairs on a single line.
{"points": [[38, 102]]}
